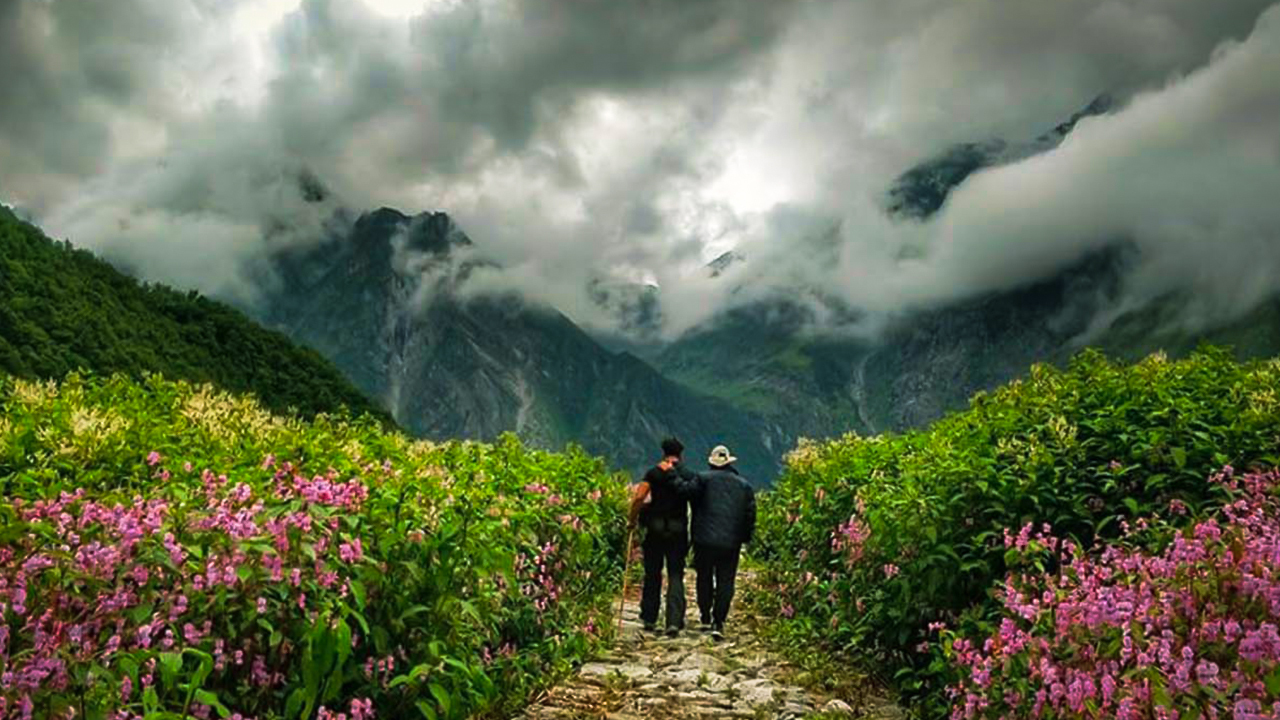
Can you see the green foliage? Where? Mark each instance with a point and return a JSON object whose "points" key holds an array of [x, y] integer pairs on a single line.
{"points": [[135, 510], [62, 309], [868, 540]]}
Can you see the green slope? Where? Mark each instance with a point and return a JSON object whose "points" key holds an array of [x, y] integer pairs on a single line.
{"points": [[63, 309]]}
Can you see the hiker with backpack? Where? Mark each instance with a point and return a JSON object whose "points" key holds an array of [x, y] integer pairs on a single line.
{"points": [[724, 519], [661, 507]]}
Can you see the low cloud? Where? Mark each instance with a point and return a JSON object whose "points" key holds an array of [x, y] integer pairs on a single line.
{"points": [[588, 143]]}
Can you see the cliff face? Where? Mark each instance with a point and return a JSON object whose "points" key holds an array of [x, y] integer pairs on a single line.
{"points": [[381, 302]]}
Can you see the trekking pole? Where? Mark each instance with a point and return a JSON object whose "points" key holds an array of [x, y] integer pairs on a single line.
{"points": [[626, 571]]}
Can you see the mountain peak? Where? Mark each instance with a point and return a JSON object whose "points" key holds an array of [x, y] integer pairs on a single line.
{"points": [[429, 232], [921, 191], [383, 216], [722, 263]]}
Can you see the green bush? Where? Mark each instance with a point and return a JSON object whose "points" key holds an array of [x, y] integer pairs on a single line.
{"points": [[170, 550], [866, 541]]}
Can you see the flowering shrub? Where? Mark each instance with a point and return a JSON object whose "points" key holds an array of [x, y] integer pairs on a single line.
{"points": [[170, 551], [1189, 630], [866, 541]]}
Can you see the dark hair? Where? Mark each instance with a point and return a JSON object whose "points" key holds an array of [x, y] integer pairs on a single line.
{"points": [[672, 447]]}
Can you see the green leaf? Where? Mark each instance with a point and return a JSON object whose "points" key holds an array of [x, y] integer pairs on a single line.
{"points": [[427, 711], [400, 680], [456, 663], [343, 640], [333, 687], [140, 613], [150, 701], [130, 668], [413, 611], [357, 592], [442, 696], [204, 697], [293, 706], [172, 661], [1272, 681]]}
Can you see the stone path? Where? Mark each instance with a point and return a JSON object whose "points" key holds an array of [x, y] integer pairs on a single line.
{"points": [[658, 678]]}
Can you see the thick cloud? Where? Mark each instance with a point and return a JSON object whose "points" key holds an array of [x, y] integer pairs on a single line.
{"points": [[1186, 172], [592, 143]]}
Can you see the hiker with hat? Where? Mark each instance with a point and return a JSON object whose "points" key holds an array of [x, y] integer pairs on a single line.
{"points": [[661, 507], [724, 518]]}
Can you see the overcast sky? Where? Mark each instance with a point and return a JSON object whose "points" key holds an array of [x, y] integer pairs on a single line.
{"points": [[626, 140]]}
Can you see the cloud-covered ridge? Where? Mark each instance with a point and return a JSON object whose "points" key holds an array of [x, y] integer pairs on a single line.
{"points": [[588, 144]]}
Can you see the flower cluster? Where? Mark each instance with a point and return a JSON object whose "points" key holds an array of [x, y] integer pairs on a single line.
{"points": [[1190, 629], [538, 576], [851, 537], [260, 586]]}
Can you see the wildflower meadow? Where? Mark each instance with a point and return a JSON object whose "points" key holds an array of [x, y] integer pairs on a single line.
{"points": [[1188, 630], [875, 549], [170, 551]]}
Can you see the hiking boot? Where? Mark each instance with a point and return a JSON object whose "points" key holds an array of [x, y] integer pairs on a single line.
{"points": [[717, 632], [673, 632], [651, 627]]}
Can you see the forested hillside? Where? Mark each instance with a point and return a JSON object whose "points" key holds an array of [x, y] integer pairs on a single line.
{"points": [[63, 309]]}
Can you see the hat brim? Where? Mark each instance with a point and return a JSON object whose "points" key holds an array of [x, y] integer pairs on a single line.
{"points": [[717, 462]]}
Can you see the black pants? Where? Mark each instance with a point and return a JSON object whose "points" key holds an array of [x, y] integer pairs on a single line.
{"points": [[658, 551], [717, 571]]}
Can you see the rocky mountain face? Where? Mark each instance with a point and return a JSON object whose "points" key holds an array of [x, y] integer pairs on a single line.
{"points": [[382, 302], [920, 191], [382, 299]]}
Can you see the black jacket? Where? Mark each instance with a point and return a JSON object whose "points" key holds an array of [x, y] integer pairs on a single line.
{"points": [[724, 506], [667, 514]]}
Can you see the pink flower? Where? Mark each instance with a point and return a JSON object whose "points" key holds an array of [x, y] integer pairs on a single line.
{"points": [[1087, 639], [362, 709], [153, 458], [351, 552]]}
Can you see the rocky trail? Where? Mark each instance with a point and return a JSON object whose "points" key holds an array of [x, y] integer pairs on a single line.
{"points": [[644, 675]]}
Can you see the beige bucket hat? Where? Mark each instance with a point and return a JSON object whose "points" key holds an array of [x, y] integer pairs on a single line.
{"points": [[721, 456]]}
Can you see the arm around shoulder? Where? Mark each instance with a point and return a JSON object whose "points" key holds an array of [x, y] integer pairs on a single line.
{"points": [[687, 482]]}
